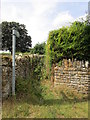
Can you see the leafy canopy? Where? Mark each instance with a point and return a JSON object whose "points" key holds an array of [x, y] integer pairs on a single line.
{"points": [[23, 43], [38, 49], [69, 42]]}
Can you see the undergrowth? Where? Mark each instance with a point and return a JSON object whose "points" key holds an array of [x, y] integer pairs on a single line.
{"points": [[29, 87], [42, 100]]}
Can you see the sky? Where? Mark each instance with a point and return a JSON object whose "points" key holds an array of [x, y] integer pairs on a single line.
{"points": [[42, 16]]}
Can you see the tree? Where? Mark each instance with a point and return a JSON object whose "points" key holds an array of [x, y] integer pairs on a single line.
{"points": [[23, 43], [39, 49]]}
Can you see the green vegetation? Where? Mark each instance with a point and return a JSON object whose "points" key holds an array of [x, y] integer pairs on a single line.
{"points": [[38, 49], [37, 68], [69, 42], [43, 101], [23, 43]]}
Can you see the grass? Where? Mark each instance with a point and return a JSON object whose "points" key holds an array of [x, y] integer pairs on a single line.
{"points": [[45, 101]]}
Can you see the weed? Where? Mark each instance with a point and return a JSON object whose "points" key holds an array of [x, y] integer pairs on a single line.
{"points": [[43, 101]]}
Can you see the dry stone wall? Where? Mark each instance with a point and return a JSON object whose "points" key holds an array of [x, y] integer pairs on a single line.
{"points": [[75, 74], [6, 75], [24, 68]]}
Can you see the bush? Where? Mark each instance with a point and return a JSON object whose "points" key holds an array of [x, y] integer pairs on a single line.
{"points": [[69, 42]]}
